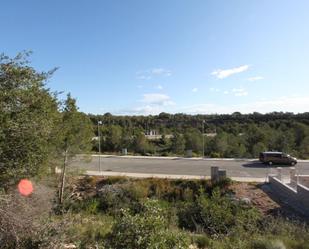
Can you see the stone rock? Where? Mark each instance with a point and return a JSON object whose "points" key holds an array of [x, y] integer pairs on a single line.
{"points": [[69, 246], [246, 200]]}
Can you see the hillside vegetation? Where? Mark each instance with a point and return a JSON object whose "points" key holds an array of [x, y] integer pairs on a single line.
{"points": [[236, 135], [122, 213]]}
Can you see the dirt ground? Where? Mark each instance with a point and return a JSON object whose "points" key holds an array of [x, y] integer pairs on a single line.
{"points": [[256, 195], [261, 196]]}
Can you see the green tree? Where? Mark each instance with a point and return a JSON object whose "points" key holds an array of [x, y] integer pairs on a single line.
{"points": [[300, 132], [28, 117], [140, 143], [304, 148], [163, 144], [114, 138], [221, 143], [127, 138], [75, 136], [236, 147], [178, 144], [285, 141], [258, 148], [254, 135], [194, 140]]}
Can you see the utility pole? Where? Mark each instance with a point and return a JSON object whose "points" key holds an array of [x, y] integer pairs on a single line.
{"points": [[99, 136], [203, 139]]}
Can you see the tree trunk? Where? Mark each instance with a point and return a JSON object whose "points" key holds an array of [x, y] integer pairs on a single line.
{"points": [[61, 192]]}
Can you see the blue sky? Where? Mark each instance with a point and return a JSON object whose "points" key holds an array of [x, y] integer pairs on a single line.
{"points": [[145, 57]]}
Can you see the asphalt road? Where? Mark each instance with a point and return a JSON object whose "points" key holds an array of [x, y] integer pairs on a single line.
{"points": [[183, 166]]}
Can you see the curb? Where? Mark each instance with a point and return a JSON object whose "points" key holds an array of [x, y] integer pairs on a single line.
{"points": [[176, 158], [186, 158], [168, 176]]}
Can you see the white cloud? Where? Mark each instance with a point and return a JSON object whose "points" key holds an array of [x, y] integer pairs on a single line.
{"points": [[224, 73], [150, 73], [284, 104], [296, 104], [160, 71], [153, 103], [157, 99], [256, 78], [159, 87], [141, 76], [226, 92], [212, 89], [194, 90], [239, 92], [142, 110], [146, 110]]}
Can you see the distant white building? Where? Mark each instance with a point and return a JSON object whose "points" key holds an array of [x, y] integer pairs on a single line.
{"points": [[156, 137], [151, 133], [210, 134]]}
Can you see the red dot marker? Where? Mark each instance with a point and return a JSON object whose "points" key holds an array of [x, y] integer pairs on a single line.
{"points": [[25, 187]]}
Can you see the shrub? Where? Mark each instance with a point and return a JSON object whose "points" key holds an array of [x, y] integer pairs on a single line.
{"points": [[182, 190], [217, 215], [267, 244], [147, 230], [113, 180], [91, 206], [88, 230], [215, 155], [114, 197], [202, 241]]}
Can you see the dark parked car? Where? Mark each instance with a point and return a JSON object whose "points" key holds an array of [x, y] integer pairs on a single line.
{"points": [[272, 157]]}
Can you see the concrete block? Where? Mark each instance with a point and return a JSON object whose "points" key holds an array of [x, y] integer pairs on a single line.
{"points": [[214, 172], [279, 173], [222, 174], [189, 153]]}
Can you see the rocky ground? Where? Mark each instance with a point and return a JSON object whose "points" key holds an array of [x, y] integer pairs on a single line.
{"points": [[262, 197]]}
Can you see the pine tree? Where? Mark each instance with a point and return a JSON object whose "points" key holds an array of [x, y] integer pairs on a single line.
{"points": [[75, 136]]}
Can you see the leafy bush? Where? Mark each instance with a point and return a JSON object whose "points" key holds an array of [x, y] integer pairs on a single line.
{"points": [[114, 197], [113, 180], [294, 234], [89, 206], [217, 215], [147, 230], [267, 244], [215, 155], [202, 241], [88, 230], [182, 190]]}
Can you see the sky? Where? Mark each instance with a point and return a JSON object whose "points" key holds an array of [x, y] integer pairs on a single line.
{"points": [[140, 57]]}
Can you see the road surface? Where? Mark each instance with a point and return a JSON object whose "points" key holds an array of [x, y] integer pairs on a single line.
{"points": [[184, 166]]}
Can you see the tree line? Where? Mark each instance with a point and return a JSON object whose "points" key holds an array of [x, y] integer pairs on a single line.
{"points": [[236, 135]]}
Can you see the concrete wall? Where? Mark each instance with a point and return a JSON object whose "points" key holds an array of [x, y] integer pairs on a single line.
{"points": [[294, 179], [303, 195], [304, 180], [298, 199], [281, 189]]}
